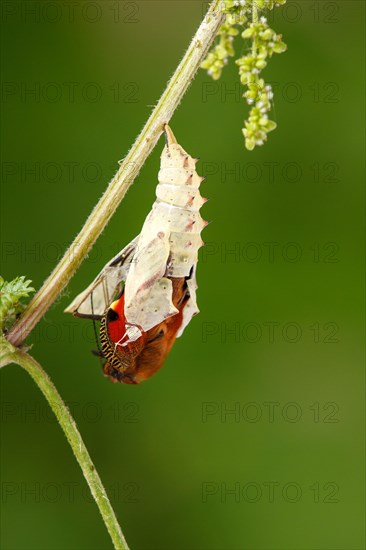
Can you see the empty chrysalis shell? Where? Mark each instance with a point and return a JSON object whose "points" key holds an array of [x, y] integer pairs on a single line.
{"points": [[168, 243]]}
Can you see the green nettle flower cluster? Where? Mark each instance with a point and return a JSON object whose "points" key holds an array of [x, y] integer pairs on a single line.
{"points": [[236, 16], [10, 300], [264, 43]]}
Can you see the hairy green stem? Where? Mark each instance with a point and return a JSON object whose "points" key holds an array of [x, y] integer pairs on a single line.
{"points": [[9, 354], [254, 20], [124, 177]]}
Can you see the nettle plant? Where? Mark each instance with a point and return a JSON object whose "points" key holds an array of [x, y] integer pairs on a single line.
{"points": [[248, 17], [224, 20]]}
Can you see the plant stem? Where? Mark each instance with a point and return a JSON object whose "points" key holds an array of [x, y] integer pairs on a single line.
{"points": [[124, 177], [254, 20], [9, 354]]}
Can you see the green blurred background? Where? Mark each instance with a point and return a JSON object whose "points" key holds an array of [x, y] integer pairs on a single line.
{"points": [[279, 340]]}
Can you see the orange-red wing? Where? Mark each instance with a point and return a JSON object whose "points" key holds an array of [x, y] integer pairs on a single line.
{"points": [[140, 359]]}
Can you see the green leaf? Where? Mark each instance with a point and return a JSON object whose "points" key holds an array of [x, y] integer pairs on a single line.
{"points": [[10, 299]]}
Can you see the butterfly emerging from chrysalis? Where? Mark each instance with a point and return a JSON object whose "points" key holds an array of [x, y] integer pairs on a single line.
{"points": [[145, 296]]}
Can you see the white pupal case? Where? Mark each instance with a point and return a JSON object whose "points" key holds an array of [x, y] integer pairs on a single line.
{"points": [[166, 247], [168, 244]]}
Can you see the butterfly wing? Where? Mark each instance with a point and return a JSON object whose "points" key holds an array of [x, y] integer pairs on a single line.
{"points": [[148, 293], [94, 300]]}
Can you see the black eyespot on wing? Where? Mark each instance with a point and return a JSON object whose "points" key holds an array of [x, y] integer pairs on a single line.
{"points": [[112, 315]]}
